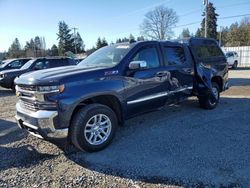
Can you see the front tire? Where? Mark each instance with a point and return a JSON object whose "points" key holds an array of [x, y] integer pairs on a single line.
{"points": [[93, 127], [208, 102]]}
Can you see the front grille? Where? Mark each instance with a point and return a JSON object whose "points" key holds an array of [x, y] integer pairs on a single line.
{"points": [[28, 105], [32, 100], [27, 88]]}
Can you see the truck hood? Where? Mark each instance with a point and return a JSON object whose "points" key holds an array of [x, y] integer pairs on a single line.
{"points": [[15, 72], [53, 75]]}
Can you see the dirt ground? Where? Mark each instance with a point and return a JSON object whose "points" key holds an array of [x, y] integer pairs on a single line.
{"points": [[177, 146]]}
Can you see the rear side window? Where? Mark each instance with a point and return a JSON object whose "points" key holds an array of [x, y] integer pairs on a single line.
{"points": [[53, 63], [208, 51], [59, 62], [174, 55]]}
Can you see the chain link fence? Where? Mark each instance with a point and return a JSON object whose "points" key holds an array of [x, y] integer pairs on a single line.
{"points": [[244, 54]]}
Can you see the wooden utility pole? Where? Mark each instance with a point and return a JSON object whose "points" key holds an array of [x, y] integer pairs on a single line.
{"points": [[205, 2], [75, 38]]}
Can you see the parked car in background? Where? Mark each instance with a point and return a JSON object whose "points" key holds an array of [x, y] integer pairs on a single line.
{"points": [[7, 77], [85, 103], [232, 59], [13, 63], [78, 60]]}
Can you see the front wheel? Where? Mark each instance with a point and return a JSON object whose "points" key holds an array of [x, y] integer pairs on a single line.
{"points": [[93, 127], [209, 102]]}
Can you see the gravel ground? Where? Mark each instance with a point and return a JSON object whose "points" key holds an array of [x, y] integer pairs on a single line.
{"points": [[177, 146]]}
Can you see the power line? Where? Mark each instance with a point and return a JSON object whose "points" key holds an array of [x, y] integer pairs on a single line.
{"points": [[236, 16], [220, 18], [232, 5], [227, 6], [192, 23]]}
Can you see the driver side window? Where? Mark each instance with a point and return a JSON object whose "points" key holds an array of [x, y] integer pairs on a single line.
{"points": [[149, 55], [39, 65], [15, 64]]}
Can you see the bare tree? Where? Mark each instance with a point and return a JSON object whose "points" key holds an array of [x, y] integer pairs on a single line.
{"points": [[158, 23]]}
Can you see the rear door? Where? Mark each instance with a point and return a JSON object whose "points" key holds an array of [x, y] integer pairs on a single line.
{"points": [[178, 62]]}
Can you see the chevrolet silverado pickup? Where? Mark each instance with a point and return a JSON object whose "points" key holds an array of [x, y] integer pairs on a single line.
{"points": [[84, 104]]}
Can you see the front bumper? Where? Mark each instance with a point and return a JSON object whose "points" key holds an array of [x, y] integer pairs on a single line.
{"points": [[226, 86], [40, 123], [5, 83]]}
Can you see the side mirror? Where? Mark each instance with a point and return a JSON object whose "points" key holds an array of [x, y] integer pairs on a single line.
{"points": [[133, 65]]}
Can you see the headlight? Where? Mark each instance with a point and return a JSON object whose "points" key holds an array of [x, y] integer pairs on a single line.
{"points": [[3, 75], [51, 89]]}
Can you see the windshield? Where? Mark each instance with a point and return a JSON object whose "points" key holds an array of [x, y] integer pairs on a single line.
{"points": [[28, 64], [5, 62], [108, 56]]}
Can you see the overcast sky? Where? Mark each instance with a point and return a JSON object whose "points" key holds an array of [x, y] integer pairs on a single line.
{"points": [[111, 19]]}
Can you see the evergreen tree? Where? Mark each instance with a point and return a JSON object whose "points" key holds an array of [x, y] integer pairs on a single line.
{"points": [[125, 39], [185, 33], [101, 43], [211, 22], [119, 40], [38, 46], [140, 38], [29, 48], [54, 51], [15, 50], [79, 43], [66, 41], [104, 42], [131, 37], [198, 33]]}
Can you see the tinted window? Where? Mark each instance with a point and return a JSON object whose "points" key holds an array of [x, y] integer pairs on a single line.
{"points": [[229, 54], [208, 51], [41, 65], [149, 55], [174, 55], [53, 63], [16, 64]]}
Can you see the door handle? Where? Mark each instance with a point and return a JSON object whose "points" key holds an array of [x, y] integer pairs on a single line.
{"points": [[187, 70], [161, 74]]}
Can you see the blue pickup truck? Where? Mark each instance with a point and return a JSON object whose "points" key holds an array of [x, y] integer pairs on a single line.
{"points": [[84, 104]]}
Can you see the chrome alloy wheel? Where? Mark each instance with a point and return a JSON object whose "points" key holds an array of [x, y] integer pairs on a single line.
{"points": [[98, 129], [216, 94]]}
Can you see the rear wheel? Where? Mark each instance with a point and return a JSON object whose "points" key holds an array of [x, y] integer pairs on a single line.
{"points": [[210, 102], [235, 65], [93, 127]]}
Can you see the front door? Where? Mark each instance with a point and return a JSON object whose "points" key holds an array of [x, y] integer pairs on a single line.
{"points": [[146, 89]]}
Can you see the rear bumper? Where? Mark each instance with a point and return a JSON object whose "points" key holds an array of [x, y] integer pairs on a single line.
{"points": [[40, 123]]}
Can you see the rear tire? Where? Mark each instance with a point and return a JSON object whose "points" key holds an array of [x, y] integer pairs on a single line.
{"points": [[207, 102], [93, 127], [235, 65]]}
